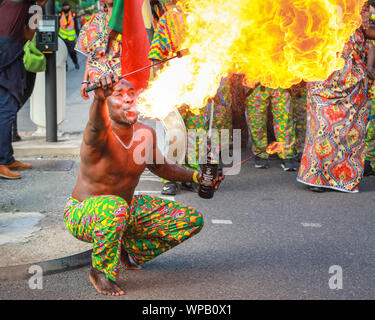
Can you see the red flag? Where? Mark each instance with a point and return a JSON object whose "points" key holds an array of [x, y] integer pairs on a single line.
{"points": [[135, 44]]}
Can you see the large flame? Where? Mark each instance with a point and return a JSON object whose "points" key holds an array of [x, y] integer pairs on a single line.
{"points": [[275, 42]]}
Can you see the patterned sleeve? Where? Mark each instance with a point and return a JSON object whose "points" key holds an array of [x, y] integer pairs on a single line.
{"points": [[160, 47], [82, 44]]}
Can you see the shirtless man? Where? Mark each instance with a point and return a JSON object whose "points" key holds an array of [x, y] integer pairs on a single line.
{"points": [[103, 209]]}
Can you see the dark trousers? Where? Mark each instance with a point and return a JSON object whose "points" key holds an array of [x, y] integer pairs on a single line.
{"points": [[8, 112], [72, 53]]}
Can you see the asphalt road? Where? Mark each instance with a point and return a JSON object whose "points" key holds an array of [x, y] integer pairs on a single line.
{"points": [[265, 237]]}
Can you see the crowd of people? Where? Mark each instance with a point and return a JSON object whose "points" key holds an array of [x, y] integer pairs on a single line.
{"points": [[326, 126], [326, 134]]}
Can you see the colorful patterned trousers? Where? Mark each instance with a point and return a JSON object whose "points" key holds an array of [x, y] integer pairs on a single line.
{"points": [[257, 104], [145, 229], [299, 109]]}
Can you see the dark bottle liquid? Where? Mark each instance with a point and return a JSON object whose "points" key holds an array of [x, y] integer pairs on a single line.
{"points": [[209, 173]]}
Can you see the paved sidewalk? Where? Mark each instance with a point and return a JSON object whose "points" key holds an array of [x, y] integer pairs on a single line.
{"points": [[32, 229]]}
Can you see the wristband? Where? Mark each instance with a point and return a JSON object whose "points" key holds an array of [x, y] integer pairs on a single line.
{"points": [[195, 177], [83, 82]]}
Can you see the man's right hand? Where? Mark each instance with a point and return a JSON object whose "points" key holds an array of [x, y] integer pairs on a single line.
{"points": [[105, 85]]}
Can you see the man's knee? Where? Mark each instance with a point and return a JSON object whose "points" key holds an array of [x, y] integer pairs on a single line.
{"points": [[112, 207]]}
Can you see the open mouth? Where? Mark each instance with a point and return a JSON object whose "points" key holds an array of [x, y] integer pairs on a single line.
{"points": [[131, 113]]}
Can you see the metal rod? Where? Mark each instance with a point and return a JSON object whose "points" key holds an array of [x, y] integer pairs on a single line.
{"points": [[179, 54], [51, 88], [211, 119]]}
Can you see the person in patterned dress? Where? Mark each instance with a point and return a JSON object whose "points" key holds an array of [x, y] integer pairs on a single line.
{"points": [[103, 52], [103, 209], [257, 104], [337, 115]]}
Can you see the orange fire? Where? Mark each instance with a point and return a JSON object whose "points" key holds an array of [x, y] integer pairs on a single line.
{"points": [[275, 147], [275, 42]]}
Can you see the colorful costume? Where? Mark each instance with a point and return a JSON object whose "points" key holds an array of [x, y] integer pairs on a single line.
{"points": [[167, 40], [158, 9], [299, 105], [168, 35], [336, 123], [104, 52], [257, 104], [144, 229]]}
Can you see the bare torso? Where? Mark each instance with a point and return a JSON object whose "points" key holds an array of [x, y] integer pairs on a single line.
{"points": [[113, 169]]}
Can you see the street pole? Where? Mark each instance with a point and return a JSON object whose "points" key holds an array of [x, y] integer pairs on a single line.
{"points": [[51, 88]]}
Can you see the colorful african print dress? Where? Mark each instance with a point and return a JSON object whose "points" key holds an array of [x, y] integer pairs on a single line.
{"points": [[337, 116], [104, 52], [257, 104], [146, 228]]}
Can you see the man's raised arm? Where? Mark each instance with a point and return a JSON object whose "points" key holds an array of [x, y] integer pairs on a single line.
{"points": [[96, 131]]}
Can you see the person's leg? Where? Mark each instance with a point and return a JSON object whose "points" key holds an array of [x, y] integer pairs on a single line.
{"points": [[101, 220], [283, 126], [30, 82], [299, 105], [257, 104], [161, 225], [8, 112], [72, 53]]}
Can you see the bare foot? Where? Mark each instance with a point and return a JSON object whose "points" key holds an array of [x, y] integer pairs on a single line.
{"points": [[104, 285], [125, 261]]}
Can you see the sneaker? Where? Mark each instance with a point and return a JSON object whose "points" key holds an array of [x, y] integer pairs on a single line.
{"points": [[368, 169], [170, 188], [288, 165], [261, 163], [190, 186]]}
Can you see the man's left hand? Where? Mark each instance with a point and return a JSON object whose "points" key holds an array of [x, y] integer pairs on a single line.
{"points": [[216, 182]]}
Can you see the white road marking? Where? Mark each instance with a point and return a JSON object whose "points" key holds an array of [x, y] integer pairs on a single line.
{"points": [[311, 225], [154, 193], [147, 192], [218, 221], [149, 176]]}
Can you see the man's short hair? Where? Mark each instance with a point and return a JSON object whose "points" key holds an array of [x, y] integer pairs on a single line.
{"points": [[127, 83]]}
